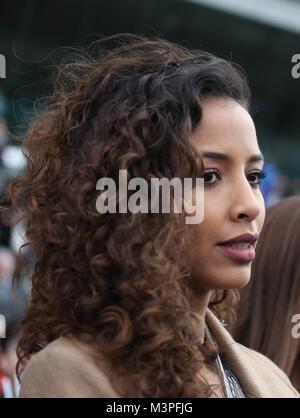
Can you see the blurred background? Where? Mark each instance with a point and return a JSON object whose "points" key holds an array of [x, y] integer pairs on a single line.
{"points": [[260, 35]]}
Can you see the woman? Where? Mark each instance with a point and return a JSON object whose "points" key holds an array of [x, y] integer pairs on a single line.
{"points": [[129, 304], [270, 305]]}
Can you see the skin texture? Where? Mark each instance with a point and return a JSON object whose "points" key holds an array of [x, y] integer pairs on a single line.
{"points": [[233, 204]]}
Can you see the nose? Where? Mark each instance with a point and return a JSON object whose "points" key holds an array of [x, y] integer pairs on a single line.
{"points": [[246, 204]]}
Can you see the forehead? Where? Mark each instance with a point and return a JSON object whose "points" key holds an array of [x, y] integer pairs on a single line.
{"points": [[226, 127]]}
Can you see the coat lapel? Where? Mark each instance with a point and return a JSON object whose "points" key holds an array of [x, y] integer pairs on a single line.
{"points": [[235, 356]]}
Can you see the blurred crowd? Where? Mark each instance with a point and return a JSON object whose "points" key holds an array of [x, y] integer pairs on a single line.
{"points": [[14, 294]]}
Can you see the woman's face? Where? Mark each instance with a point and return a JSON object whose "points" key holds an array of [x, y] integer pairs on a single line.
{"points": [[233, 203]]}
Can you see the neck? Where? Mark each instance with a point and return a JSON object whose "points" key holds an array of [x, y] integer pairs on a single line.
{"points": [[199, 305]]}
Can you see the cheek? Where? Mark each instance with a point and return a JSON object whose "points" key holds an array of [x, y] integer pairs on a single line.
{"points": [[205, 232], [262, 215]]}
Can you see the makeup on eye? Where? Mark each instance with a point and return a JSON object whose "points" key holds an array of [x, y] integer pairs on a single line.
{"points": [[260, 175]]}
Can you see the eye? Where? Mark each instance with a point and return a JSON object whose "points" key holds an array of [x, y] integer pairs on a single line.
{"points": [[211, 176], [256, 177]]}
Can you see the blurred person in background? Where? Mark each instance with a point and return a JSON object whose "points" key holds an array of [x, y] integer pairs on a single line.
{"points": [[132, 304], [12, 308], [270, 187], [272, 298], [7, 268], [12, 161], [9, 384], [4, 230]]}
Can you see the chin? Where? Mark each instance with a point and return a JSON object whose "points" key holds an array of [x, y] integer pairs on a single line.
{"points": [[238, 279], [232, 278]]}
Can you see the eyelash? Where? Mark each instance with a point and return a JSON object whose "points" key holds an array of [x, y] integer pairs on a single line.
{"points": [[260, 173]]}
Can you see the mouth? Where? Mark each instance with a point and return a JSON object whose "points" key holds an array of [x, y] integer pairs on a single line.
{"points": [[239, 249]]}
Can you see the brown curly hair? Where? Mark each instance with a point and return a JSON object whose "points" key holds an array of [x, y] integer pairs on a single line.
{"points": [[119, 281]]}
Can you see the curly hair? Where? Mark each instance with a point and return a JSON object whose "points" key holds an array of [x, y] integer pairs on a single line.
{"points": [[120, 282]]}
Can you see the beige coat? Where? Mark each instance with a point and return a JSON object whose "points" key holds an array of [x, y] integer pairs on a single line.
{"points": [[63, 369]]}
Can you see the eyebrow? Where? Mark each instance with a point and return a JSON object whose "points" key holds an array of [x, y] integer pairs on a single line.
{"points": [[225, 157]]}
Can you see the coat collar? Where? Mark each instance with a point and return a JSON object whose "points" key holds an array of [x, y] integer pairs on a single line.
{"points": [[236, 357]]}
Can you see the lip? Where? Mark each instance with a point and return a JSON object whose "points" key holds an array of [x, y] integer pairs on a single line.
{"points": [[252, 238], [240, 255]]}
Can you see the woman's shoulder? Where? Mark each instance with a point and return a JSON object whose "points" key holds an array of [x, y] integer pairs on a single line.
{"points": [[268, 375], [258, 375], [63, 351], [66, 368], [261, 360]]}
